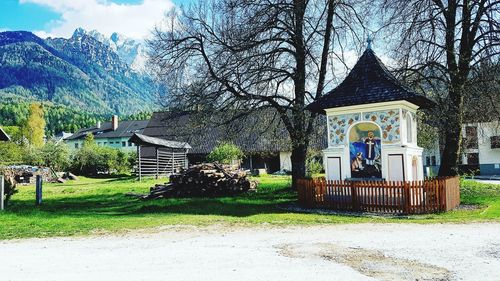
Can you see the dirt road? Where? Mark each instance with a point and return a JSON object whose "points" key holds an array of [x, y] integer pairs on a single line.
{"points": [[335, 252]]}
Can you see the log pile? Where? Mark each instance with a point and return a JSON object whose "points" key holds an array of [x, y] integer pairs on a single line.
{"points": [[207, 179], [24, 174]]}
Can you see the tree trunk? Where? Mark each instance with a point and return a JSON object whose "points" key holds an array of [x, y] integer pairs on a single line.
{"points": [[453, 136], [451, 152], [299, 154]]}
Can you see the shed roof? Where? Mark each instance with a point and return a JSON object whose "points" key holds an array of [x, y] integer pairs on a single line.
{"points": [[368, 82], [157, 142], [3, 135], [258, 132], [125, 129]]}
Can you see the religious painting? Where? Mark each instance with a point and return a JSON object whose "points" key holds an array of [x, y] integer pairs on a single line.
{"points": [[365, 151], [389, 122]]}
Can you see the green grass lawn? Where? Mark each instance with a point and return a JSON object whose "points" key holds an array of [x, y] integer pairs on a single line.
{"points": [[92, 206]]}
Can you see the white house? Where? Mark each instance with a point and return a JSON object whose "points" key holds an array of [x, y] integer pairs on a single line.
{"points": [[114, 134], [482, 146]]}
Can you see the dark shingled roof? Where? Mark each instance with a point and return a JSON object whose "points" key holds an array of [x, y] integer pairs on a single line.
{"points": [[368, 82], [125, 129], [256, 133], [157, 142], [3, 135]]}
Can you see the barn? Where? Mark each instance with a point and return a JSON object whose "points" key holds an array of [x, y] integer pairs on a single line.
{"points": [[260, 135]]}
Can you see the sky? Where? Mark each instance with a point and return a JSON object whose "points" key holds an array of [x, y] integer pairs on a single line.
{"points": [[59, 18]]}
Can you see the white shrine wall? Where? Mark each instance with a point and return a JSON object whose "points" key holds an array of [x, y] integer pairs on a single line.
{"points": [[398, 133]]}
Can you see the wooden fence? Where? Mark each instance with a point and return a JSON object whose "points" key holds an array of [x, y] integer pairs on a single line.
{"points": [[415, 197], [162, 164]]}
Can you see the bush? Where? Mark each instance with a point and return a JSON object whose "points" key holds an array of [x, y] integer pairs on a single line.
{"points": [[314, 163], [53, 155], [92, 159], [10, 152], [225, 153]]}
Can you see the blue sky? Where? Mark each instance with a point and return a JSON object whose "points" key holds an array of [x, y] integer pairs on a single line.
{"points": [[133, 18]]}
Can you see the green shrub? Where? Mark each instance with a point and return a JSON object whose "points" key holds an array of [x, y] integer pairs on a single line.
{"points": [[225, 153], [314, 163], [313, 167], [55, 156], [51, 154], [92, 159], [10, 152]]}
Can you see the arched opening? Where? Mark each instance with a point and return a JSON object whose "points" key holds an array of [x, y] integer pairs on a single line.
{"points": [[409, 128], [365, 150]]}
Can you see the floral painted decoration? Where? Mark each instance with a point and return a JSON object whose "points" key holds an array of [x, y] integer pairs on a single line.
{"points": [[388, 121], [339, 126]]}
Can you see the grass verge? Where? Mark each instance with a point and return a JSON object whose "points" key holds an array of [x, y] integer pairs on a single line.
{"points": [[90, 206]]}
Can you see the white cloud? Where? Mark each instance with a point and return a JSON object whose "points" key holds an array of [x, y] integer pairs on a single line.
{"points": [[132, 20]]}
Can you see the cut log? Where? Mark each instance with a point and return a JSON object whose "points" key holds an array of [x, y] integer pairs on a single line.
{"points": [[207, 179]]}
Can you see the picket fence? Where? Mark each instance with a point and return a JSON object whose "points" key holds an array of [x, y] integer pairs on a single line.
{"points": [[396, 197]]}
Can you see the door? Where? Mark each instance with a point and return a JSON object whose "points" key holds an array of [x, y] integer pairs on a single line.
{"points": [[396, 168], [333, 167], [414, 168]]}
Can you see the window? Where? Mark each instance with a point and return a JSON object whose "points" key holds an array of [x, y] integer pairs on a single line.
{"points": [[472, 158], [409, 128], [105, 143], [433, 160], [427, 161], [495, 142], [99, 143], [124, 143], [471, 137], [76, 145]]}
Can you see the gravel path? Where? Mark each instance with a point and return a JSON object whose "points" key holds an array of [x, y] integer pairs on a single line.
{"points": [[333, 252]]}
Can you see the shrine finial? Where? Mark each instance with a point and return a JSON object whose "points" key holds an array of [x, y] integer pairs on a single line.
{"points": [[369, 40]]}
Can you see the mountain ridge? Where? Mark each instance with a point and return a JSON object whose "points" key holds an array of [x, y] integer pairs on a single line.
{"points": [[80, 71]]}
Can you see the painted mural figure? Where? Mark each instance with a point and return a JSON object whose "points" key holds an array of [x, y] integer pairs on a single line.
{"points": [[365, 151], [370, 149], [357, 163]]}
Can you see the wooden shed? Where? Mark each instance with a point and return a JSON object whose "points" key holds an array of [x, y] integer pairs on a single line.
{"points": [[158, 157]]}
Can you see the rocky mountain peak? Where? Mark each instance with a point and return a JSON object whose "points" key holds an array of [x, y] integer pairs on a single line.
{"points": [[130, 51], [79, 32]]}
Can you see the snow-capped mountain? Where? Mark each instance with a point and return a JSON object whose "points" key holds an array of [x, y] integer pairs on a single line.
{"points": [[130, 51], [87, 70]]}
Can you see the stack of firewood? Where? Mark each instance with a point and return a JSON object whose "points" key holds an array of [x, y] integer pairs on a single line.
{"points": [[207, 179]]}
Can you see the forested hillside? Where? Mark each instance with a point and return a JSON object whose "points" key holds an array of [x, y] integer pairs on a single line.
{"points": [[80, 74], [58, 118]]}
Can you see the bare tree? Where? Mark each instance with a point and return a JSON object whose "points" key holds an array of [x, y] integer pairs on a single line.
{"points": [[243, 54], [441, 43]]}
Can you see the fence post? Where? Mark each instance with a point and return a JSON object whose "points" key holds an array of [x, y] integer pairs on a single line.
{"points": [[354, 196], [443, 185], [38, 190], [2, 193], [406, 197]]}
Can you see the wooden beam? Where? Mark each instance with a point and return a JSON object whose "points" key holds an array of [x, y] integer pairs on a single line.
{"points": [[139, 161], [173, 166], [157, 163]]}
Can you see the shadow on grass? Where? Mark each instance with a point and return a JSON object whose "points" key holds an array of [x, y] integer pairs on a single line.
{"points": [[119, 204]]}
